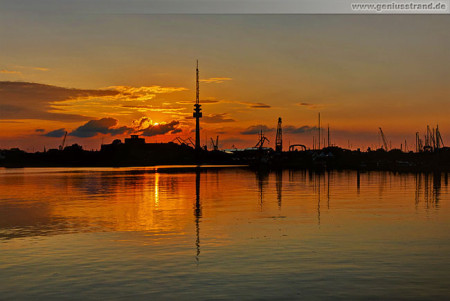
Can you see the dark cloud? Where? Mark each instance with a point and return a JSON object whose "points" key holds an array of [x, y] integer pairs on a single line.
{"points": [[100, 126], [259, 105], [160, 129], [299, 130], [193, 130], [311, 106], [24, 100], [256, 129], [288, 129], [56, 133], [253, 105], [176, 131], [39, 130], [217, 118]]}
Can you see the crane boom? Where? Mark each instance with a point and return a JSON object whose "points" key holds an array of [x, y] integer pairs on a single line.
{"points": [[384, 140], [215, 144], [61, 147], [261, 141]]}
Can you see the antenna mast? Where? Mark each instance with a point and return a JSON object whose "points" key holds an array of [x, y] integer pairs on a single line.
{"points": [[197, 112], [319, 131]]}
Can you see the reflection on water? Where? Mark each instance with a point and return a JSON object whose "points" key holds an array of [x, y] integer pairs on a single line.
{"points": [[279, 185], [285, 235], [428, 188], [197, 211]]}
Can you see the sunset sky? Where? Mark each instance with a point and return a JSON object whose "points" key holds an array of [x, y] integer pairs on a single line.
{"points": [[102, 76]]}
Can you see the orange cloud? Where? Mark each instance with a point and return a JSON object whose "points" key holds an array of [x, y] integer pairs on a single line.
{"points": [[125, 90], [32, 68], [4, 71], [40, 68], [215, 80]]}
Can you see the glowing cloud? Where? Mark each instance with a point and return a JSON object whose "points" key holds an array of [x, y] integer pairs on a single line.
{"points": [[215, 80], [143, 93], [4, 71], [161, 129], [40, 69]]}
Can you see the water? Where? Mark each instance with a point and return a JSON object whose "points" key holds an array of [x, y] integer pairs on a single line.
{"points": [[226, 234]]}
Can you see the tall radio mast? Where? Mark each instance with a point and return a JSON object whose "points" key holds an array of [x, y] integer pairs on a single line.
{"points": [[197, 112]]}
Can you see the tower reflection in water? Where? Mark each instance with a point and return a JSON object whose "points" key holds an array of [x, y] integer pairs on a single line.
{"points": [[262, 177], [197, 212], [279, 186]]}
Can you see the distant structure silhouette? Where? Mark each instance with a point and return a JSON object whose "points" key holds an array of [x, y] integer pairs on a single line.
{"points": [[279, 137], [197, 113]]}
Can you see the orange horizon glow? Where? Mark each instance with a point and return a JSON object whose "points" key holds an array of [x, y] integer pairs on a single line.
{"points": [[358, 73]]}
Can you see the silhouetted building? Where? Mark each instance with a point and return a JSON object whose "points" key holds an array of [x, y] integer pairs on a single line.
{"points": [[134, 139]]}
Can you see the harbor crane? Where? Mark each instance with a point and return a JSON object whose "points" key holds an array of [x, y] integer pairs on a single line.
{"points": [[187, 141], [61, 147], [215, 144], [279, 137], [384, 140], [261, 141]]}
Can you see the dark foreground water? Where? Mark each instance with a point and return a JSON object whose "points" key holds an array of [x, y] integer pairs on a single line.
{"points": [[230, 233]]}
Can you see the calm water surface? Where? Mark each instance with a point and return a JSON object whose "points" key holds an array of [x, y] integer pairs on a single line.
{"points": [[141, 233]]}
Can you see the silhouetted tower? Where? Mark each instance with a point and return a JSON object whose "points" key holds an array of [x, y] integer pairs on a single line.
{"points": [[197, 112], [319, 130], [279, 137]]}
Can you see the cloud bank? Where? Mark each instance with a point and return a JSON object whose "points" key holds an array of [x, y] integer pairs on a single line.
{"points": [[56, 133], [100, 126], [23, 100], [161, 129]]}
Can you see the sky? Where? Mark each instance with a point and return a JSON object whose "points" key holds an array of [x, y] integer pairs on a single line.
{"points": [[102, 75]]}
